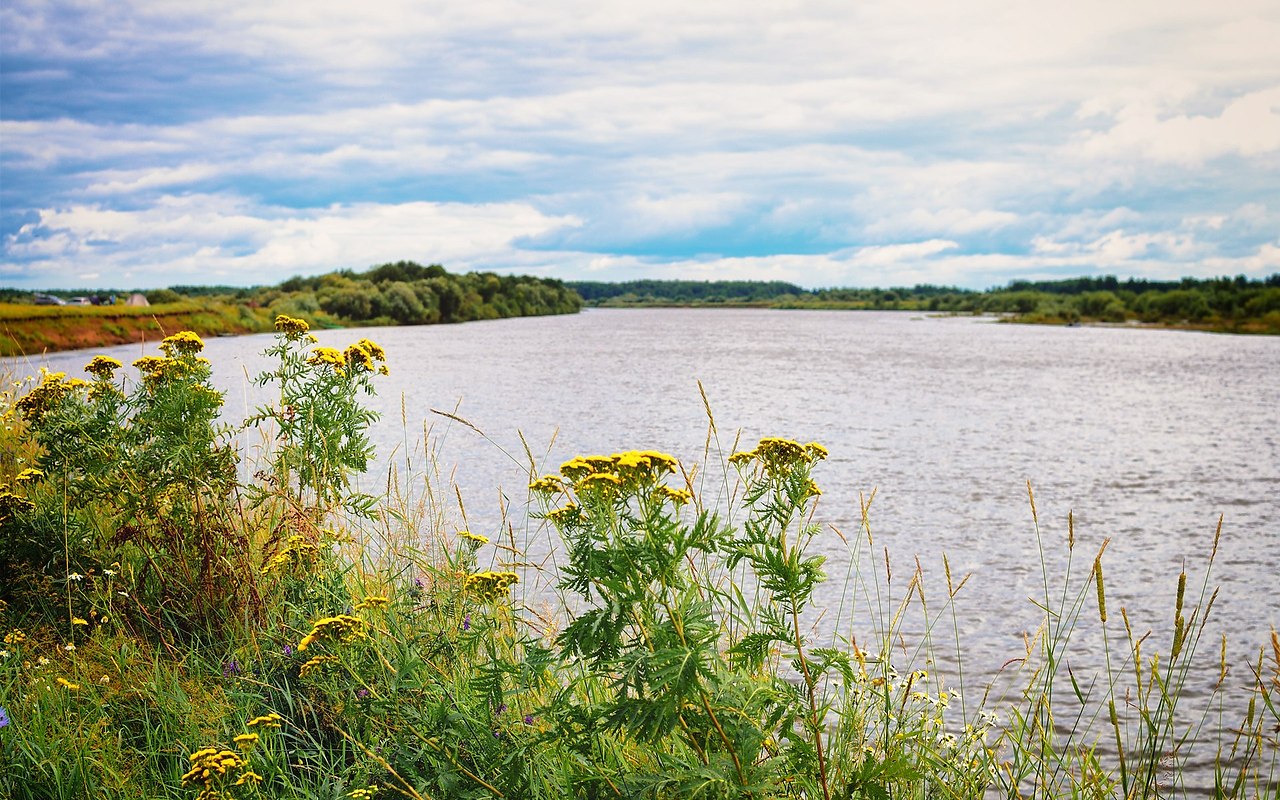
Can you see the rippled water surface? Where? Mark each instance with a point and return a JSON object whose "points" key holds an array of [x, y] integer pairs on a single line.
{"points": [[1146, 436]]}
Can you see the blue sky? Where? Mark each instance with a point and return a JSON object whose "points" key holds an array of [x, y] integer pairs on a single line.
{"points": [[829, 143]]}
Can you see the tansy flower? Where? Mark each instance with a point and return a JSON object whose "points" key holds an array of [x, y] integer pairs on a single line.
{"points": [[473, 537], [292, 329], [271, 720], [342, 628], [327, 355], [547, 484], [74, 687], [246, 741], [102, 367], [314, 664], [181, 343], [373, 601], [28, 475]]}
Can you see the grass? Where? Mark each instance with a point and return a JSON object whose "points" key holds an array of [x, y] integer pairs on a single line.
{"points": [[325, 644]]}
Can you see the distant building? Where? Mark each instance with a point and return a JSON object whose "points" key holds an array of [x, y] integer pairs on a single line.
{"points": [[137, 299]]}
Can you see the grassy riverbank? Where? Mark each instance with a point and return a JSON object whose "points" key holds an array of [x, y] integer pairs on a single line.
{"points": [[401, 293], [185, 617]]}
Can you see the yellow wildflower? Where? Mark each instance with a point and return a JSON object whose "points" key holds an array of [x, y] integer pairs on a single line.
{"points": [[73, 687], [491, 585], [315, 664], [28, 476], [184, 343], [15, 636], [358, 358], [246, 741], [677, 496], [547, 484], [342, 628], [292, 328], [327, 355], [473, 537], [102, 367], [373, 601], [376, 352], [271, 720], [566, 515], [79, 621], [248, 778]]}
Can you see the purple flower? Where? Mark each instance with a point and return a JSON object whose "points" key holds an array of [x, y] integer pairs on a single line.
{"points": [[230, 668], [4, 717], [502, 708], [466, 623], [528, 719], [287, 650], [418, 582], [362, 693]]}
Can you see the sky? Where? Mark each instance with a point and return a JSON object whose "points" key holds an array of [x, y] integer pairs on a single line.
{"points": [[823, 142]]}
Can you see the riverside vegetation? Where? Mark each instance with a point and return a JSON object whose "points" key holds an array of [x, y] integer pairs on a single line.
{"points": [[186, 619], [1229, 305], [402, 293]]}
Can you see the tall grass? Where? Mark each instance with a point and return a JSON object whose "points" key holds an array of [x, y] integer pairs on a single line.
{"points": [[173, 628]]}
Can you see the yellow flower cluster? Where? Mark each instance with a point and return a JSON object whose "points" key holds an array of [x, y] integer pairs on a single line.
{"points": [[102, 367], [211, 763], [298, 554], [491, 585], [364, 355], [185, 343], [246, 741], [11, 504], [293, 329], [45, 397], [548, 484], [15, 636], [569, 513], [363, 794], [29, 475], [373, 601], [271, 720], [677, 496], [315, 664], [779, 456], [341, 628], [473, 537], [327, 355], [71, 687], [631, 468]]}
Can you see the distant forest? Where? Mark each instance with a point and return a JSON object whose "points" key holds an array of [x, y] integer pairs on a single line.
{"points": [[403, 293], [1237, 304]]}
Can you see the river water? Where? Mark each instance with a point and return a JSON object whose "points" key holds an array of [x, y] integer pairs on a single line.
{"points": [[1145, 436]]}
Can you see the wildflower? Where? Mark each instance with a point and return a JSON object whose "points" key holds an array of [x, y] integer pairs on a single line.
{"points": [[528, 719], [246, 741], [79, 621], [315, 663], [358, 358], [230, 668], [184, 343], [15, 636], [69, 647], [287, 650], [327, 355], [566, 515], [4, 653], [110, 573], [466, 622], [4, 717], [373, 349], [102, 367], [473, 537], [373, 601], [343, 628], [73, 687], [293, 329], [491, 585], [362, 694], [28, 475], [298, 553], [153, 368], [677, 496], [75, 576], [547, 484], [45, 397], [211, 761], [42, 661], [248, 778], [362, 794], [271, 720]]}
